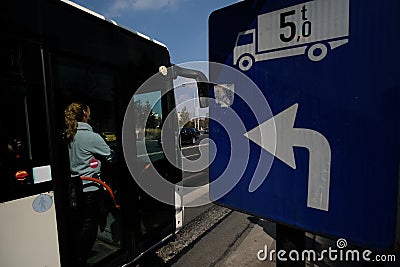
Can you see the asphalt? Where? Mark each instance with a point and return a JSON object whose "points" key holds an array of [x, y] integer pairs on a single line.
{"points": [[234, 241], [245, 250]]}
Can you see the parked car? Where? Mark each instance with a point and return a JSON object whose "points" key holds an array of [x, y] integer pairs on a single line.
{"points": [[189, 135]]}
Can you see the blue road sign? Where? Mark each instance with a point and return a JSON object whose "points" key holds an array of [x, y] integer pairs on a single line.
{"points": [[324, 152]]}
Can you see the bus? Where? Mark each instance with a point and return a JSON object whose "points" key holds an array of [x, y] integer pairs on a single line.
{"points": [[53, 53]]}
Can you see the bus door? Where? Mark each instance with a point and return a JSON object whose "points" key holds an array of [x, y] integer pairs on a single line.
{"points": [[28, 230], [152, 105], [157, 135], [141, 221], [75, 80]]}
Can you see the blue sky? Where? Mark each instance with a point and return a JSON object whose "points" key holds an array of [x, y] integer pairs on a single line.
{"points": [[182, 25]]}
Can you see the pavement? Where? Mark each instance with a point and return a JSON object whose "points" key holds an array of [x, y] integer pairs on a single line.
{"points": [[246, 251], [234, 241]]}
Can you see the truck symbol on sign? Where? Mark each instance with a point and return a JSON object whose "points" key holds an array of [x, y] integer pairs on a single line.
{"points": [[312, 27]]}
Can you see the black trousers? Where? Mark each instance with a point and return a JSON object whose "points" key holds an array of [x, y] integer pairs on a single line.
{"points": [[84, 225]]}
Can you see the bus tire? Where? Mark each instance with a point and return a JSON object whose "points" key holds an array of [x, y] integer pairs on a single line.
{"points": [[245, 62]]}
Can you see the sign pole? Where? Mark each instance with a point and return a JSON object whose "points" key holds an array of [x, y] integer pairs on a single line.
{"points": [[288, 239]]}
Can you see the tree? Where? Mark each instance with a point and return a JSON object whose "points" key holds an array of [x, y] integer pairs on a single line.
{"points": [[183, 117], [153, 121]]}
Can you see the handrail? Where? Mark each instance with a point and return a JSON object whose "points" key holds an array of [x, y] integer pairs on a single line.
{"points": [[106, 186]]}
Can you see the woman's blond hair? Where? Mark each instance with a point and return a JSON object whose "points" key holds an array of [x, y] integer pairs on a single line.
{"points": [[72, 114]]}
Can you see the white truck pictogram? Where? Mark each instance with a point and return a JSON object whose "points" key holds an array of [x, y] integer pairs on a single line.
{"points": [[312, 27]]}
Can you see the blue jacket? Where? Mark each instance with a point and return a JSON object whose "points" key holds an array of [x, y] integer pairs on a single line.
{"points": [[83, 151]]}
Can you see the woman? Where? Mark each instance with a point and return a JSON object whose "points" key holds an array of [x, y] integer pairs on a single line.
{"points": [[85, 148]]}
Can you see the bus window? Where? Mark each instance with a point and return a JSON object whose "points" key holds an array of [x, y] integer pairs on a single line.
{"points": [[23, 140], [148, 116], [92, 85], [154, 215]]}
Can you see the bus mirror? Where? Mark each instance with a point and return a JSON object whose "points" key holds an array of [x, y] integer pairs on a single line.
{"points": [[204, 93], [203, 85], [224, 94]]}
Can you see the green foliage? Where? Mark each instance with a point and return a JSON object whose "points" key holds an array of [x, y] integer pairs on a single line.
{"points": [[184, 118]]}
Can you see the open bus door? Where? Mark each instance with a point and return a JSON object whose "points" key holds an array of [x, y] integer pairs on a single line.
{"points": [[141, 222]]}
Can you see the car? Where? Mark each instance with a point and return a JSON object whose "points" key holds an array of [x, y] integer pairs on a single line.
{"points": [[109, 136], [189, 135]]}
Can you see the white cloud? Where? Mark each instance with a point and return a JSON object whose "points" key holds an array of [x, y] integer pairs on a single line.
{"points": [[122, 5]]}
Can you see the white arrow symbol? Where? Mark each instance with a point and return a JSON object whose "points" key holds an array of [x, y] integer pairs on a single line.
{"points": [[279, 130]]}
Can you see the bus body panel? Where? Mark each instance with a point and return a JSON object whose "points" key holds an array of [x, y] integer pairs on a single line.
{"points": [[29, 227]]}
